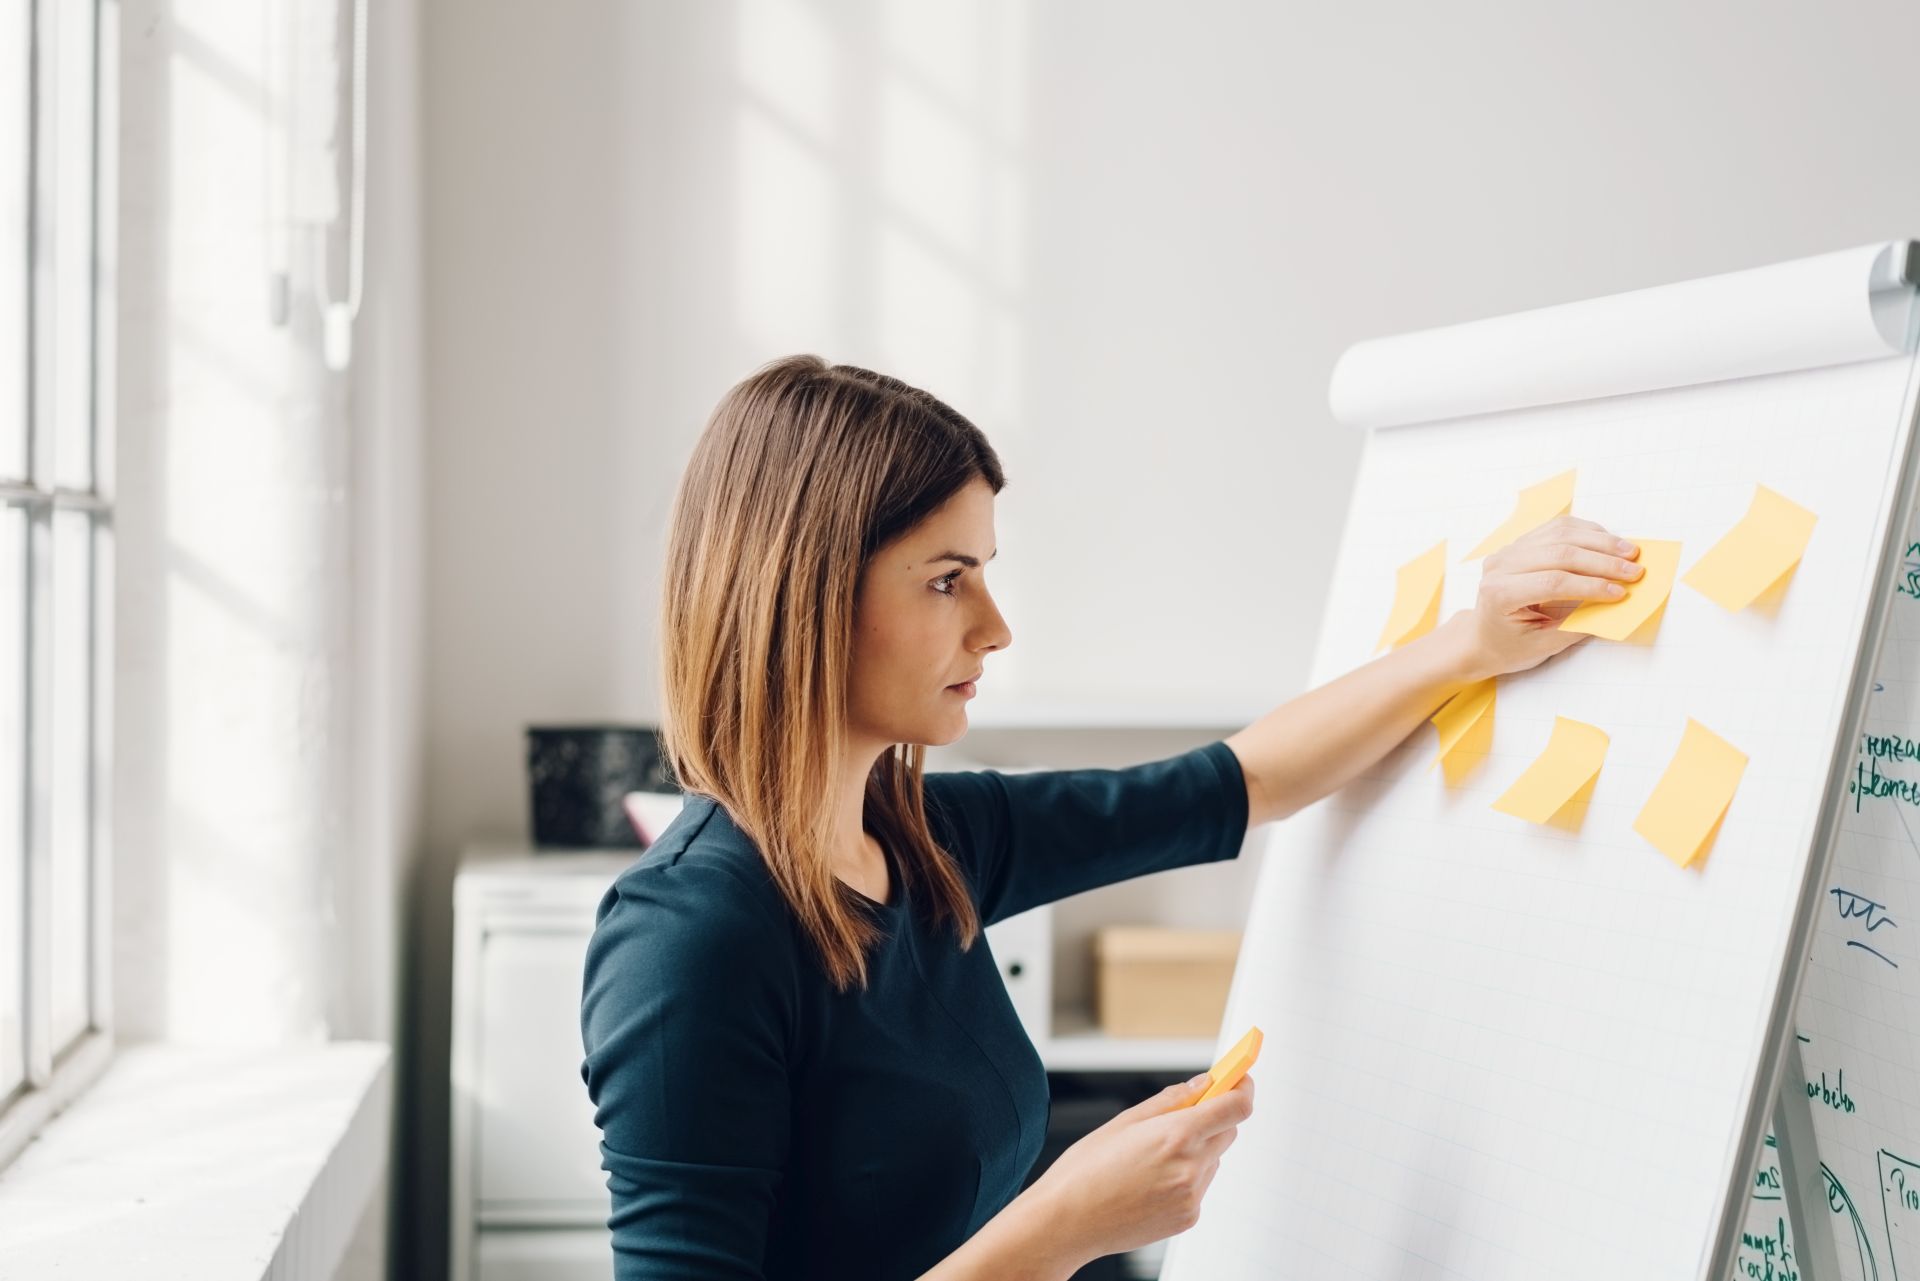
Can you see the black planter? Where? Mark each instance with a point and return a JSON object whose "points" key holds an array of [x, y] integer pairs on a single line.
{"points": [[578, 773]]}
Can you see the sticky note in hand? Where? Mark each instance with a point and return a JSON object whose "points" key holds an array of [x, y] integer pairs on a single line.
{"points": [[1756, 554], [1618, 619], [1536, 505], [1416, 597], [1232, 1066]]}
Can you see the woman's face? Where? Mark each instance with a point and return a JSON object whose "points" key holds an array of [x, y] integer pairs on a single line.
{"points": [[923, 623]]}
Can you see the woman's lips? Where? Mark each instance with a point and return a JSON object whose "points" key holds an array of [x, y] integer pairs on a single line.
{"points": [[964, 688]]}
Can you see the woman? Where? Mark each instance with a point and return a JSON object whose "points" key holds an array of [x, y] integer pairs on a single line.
{"points": [[802, 1062]]}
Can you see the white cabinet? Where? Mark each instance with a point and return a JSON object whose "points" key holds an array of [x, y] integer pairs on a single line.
{"points": [[528, 1197], [536, 1151]]}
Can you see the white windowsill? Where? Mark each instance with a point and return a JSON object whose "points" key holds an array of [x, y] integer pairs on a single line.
{"points": [[210, 1164]]}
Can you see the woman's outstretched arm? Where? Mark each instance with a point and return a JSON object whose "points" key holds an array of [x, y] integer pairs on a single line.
{"points": [[1317, 742]]}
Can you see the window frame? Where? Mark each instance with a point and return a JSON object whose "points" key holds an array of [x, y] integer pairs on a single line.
{"points": [[56, 1075]]}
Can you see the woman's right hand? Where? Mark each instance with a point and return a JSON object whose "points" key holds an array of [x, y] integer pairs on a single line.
{"points": [[1140, 1177]]}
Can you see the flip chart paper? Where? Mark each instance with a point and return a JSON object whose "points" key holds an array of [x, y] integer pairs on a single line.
{"points": [[1618, 619], [1505, 1052], [1536, 505], [1416, 597], [1766, 320], [1692, 794], [1571, 760], [1756, 553]]}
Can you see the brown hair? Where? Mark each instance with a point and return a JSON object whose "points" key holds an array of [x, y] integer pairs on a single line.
{"points": [[804, 470]]}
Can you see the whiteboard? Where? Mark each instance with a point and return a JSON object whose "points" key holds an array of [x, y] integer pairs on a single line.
{"points": [[1502, 1050], [1858, 1019]]}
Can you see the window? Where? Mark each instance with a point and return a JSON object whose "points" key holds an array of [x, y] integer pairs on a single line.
{"points": [[56, 563]]}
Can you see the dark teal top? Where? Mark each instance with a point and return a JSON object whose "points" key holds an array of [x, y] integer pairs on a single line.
{"points": [[755, 1123]]}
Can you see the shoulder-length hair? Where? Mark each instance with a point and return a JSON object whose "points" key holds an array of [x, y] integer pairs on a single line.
{"points": [[802, 473]]}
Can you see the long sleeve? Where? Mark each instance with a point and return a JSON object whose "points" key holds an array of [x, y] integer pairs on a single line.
{"points": [[1033, 838], [687, 1007]]}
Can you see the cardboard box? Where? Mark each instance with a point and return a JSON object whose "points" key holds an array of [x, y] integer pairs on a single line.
{"points": [[1152, 980]]}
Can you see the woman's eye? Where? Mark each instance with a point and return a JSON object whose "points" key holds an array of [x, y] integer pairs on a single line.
{"points": [[942, 583]]}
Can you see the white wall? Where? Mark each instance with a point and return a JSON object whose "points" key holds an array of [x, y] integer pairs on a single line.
{"points": [[267, 784], [1128, 239]]}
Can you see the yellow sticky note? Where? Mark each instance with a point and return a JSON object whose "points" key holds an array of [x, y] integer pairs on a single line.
{"points": [[1465, 722], [1536, 505], [1571, 760], [1617, 619], [1691, 796], [1756, 553], [1416, 597]]}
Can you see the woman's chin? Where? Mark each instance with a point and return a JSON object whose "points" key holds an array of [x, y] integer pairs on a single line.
{"points": [[955, 729]]}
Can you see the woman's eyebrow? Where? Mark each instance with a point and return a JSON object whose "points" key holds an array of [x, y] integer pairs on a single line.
{"points": [[971, 562]]}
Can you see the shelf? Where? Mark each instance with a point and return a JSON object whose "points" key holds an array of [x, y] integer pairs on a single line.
{"points": [[1078, 1045]]}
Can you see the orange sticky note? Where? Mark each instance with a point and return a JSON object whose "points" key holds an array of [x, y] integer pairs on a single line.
{"points": [[1571, 760], [1465, 722], [1416, 597], [1618, 619], [1692, 795], [1536, 505], [1756, 553], [1232, 1066]]}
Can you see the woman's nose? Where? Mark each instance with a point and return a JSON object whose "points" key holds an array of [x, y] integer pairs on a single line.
{"points": [[997, 634]]}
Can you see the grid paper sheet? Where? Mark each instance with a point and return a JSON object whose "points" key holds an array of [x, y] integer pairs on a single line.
{"points": [[1507, 1052]]}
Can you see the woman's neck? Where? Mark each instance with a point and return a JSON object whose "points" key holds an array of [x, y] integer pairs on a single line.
{"points": [[867, 871], [859, 859]]}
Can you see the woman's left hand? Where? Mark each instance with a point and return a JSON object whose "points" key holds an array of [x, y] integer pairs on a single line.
{"points": [[1532, 583]]}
